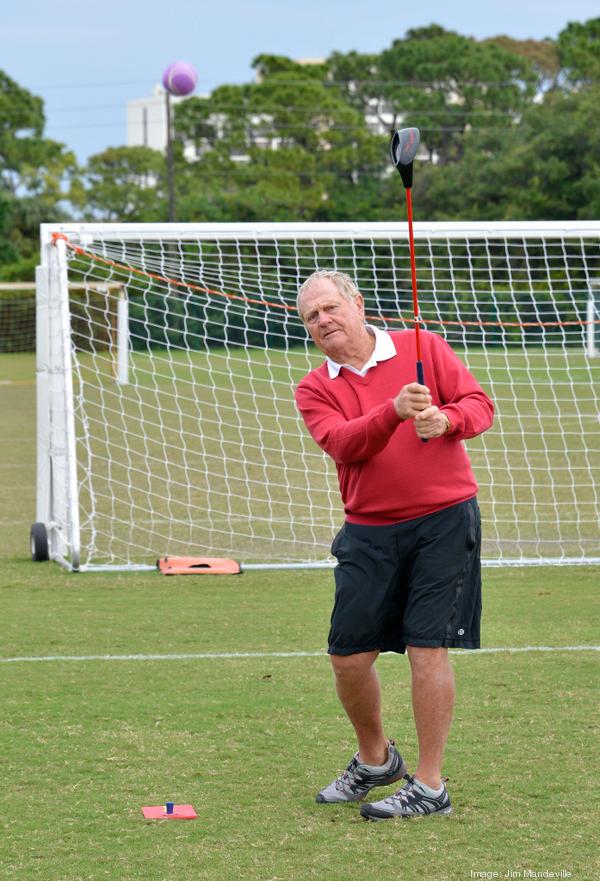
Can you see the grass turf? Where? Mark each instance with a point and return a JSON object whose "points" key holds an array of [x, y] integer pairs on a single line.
{"points": [[249, 740]]}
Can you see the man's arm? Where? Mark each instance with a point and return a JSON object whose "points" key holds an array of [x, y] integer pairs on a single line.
{"points": [[354, 440], [346, 440]]}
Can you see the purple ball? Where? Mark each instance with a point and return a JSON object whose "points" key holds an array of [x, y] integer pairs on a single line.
{"points": [[180, 78]]}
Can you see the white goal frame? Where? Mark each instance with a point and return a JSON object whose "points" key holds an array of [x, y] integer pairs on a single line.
{"points": [[59, 474]]}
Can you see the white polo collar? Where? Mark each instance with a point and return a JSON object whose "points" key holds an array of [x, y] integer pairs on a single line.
{"points": [[384, 349]]}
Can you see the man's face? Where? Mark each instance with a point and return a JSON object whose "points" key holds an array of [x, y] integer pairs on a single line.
{"points": [[334, 323]]}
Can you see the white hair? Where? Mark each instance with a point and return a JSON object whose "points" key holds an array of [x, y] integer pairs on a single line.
{"points": [[344, 284]]}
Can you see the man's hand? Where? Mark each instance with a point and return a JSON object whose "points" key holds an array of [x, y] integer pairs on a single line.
{"points": [[412, 400], [431, 423]]}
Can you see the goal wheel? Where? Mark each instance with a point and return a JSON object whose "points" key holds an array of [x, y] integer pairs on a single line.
{"points": [[39, 543]]}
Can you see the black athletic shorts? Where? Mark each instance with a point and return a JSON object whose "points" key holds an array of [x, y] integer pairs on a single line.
{"points": [[412, 583]]}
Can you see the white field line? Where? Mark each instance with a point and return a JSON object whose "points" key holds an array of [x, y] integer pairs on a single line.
{"points": [[217, 656]]}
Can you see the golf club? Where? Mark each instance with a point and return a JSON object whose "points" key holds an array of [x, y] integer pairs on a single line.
{"points": [[404, 146]]}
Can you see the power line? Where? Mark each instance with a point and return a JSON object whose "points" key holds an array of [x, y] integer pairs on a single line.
{"points": [[449, 81], [457, 110], [258, 134], [454, 109], [52, 86]]}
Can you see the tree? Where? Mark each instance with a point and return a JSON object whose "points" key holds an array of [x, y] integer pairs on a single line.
{"points": [[541, 54], [547, 168], [21, 126], [441, 82], [8, 252], [122, 184], [289, 146], [34, 174], [579, 52], [220, 118], [267, 66]]}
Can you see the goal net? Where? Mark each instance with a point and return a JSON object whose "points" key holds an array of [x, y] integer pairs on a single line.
{"points": [[167, 358], [17, 317]]}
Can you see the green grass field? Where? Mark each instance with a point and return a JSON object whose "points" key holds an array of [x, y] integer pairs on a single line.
{"points": [[249, 739]]}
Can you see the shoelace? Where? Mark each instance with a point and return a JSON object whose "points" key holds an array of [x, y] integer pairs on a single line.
{"points": [[348, 776], [406, 794]]}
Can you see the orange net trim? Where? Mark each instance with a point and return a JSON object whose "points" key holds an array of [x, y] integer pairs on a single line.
{"points": [[286, 307]]}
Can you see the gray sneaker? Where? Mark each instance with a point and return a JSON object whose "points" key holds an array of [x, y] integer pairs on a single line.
{"points": [[359, 779], [410, 801]]}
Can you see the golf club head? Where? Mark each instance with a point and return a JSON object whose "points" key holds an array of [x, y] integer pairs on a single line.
{"points": [[404, 146]]}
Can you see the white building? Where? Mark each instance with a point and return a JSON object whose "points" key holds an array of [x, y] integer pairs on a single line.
{"points": [[147, 122]]}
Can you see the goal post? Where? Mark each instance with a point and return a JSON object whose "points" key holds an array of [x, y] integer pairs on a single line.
{"points": [[166, 420]]}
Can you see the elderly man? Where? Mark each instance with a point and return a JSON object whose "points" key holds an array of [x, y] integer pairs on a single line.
{"points": [[408, 567]]}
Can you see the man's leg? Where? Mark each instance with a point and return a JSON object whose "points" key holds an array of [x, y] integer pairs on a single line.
{"points": [[378, 763], [433, 702], [357, 686]]}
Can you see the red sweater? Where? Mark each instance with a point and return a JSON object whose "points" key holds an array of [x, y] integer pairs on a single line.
{"points": [[386, 473]]}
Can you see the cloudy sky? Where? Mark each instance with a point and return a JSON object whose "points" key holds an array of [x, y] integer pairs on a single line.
{"points": [[86, 60]]}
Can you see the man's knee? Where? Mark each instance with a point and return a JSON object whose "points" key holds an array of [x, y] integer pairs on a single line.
{"points": [[353, 665], [425, 658]]}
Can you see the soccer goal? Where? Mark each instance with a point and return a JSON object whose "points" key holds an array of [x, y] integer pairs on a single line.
{"points": [[167, 358]]}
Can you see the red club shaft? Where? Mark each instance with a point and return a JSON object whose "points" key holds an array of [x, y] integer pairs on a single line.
{"points": [[413, 270]]}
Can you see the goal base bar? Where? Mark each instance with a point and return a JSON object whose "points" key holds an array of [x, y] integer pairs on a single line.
{"points": [[249, 567], [541, 561]]}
